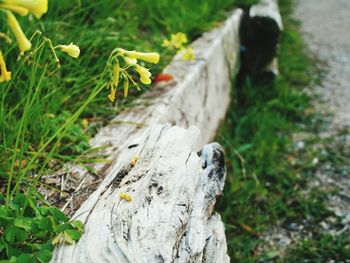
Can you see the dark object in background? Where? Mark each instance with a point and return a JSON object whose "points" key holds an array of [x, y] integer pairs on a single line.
{"points": [[259, 42]]}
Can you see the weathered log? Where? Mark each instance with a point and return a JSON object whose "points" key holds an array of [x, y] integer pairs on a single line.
{"points": [[259, 32], [169, 219], [199, 95]]}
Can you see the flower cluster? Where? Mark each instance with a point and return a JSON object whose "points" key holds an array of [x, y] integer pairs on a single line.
{"points": [[117, 73], [177, 41], [23, 8]]}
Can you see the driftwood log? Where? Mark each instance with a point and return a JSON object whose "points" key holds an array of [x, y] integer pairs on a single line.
{"points": [[170, 218]]}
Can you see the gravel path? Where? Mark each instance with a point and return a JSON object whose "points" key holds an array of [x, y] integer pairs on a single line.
{"points": [[326, 28], [325, 25]]}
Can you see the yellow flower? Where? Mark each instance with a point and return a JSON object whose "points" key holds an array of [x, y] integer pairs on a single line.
{"points": [[166, 43], [14, 8], [5, 75], [188, 54], [125, 196], [71, 49], [176, 41], [23, 43], [151, 57], [130, 61], [37, 7], [144, 74]]}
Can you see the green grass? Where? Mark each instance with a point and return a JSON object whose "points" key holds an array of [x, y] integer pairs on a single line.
{"points": [[320, 248], [266, 174]]}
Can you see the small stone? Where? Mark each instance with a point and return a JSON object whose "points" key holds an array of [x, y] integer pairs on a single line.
{"points": [[324, 225], [293, 227], [300, 145]]}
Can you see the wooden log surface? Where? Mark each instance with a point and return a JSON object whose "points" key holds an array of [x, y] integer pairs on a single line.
{"points": [[173, 186]]}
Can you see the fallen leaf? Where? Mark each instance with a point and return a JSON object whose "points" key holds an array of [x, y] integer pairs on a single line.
{"points": [[163, 77]]}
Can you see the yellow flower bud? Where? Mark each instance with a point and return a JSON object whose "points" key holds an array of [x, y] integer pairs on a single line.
{"points": [[71, 49], [126, 87], [116, 73], [23, 43], [151, 57], [85, 123], [5, 75], [111, 95], [14, 8], [144, 74], [37, 7]]}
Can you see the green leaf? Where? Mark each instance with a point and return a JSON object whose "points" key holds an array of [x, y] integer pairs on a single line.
{"points": [[20, 200], [58, 215], [5, 213], [68, 239], [10, 233], [25, 258], [2, 246], [20, 234], [43, 223], [78, 225], [44, 256], [12, 251], [24, 223], [74, 234], [62, 227], [57, 239]]}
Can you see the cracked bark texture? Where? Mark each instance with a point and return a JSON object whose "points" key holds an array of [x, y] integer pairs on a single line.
{"points": [[170, 219]]}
